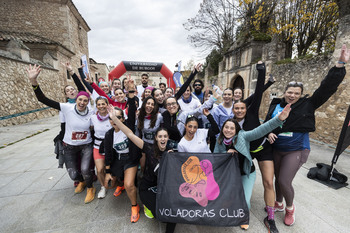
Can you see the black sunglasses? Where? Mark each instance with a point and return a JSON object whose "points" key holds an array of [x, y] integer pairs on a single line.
{"points": [[119, 117]]}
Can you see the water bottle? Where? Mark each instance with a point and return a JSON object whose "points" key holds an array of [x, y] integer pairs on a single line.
{"points": [[217, 89]]}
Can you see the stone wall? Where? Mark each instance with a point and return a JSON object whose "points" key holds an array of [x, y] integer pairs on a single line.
{"points": [[57, 20], [19, 96]]}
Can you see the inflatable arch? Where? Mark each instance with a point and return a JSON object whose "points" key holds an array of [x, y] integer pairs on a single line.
{"points": [[124, 66]]}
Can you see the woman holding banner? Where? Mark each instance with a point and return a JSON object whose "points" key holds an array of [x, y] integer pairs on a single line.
{"points": [[291, 145], [233, 139]]}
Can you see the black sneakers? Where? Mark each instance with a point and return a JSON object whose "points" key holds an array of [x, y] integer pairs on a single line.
{"points": [[271, 226]]}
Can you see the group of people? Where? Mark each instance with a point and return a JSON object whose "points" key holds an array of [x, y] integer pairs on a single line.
{"points": [[123, 128]]}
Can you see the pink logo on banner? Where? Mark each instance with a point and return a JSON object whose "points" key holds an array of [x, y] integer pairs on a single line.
{"points": [[200, 184]]}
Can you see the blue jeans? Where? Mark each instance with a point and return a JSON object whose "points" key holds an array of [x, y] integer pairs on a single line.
{"points": [[76, 157]]}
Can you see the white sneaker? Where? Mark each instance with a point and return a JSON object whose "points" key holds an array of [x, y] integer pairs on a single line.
{"points": [[102, 193]]}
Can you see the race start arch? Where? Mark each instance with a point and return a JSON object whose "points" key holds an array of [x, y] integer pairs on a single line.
{"points": [[124, 66]]}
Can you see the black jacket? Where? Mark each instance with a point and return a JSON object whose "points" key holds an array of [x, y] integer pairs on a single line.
{"points": [[302, 116]]}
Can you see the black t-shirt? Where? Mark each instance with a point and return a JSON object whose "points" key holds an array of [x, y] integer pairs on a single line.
{"points": [[152, 164]]}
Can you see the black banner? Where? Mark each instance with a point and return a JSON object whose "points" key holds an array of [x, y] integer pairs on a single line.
{"points": [[142, 66], [203, 189], [344, 138]]}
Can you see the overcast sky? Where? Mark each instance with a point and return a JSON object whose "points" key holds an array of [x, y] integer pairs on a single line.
{"points": [[139, 30]]}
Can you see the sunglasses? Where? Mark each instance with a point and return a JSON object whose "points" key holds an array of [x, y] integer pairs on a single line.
{"points": [[119, 117], [296, 83], [197, 85]]}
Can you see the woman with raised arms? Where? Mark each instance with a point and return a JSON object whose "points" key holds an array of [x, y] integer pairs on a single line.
{"points": [[77, 141]]}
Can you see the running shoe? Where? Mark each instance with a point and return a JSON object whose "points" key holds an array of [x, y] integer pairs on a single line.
{"points": [[245, 227], [90, 195], [135, 213], [118, 190], [279, 208], [271, 226], [102, 193], [147, 212], [289, 218], [80, 187]]}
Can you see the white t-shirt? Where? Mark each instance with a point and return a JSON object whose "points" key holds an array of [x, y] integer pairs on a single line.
{"points": [[195, 103], [148, 133], [197, 145], [100, 128], [228, 110], [140, 90], [120, 142], [77, 126]]}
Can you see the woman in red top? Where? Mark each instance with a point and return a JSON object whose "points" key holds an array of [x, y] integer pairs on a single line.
{"points": [[120, 100]]}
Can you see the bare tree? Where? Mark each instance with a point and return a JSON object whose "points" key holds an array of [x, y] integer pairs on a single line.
{"points": [[213, 26]]}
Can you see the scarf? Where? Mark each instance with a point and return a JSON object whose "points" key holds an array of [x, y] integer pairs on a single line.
{"points": [[102, 118], [71, 101], [83, 113], [188, 100], [148, 117], [227, 141]]}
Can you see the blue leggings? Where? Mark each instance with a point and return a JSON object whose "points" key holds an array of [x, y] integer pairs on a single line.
{"points": [[248, 184]]}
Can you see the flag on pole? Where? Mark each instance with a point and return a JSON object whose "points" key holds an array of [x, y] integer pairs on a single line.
{"points": [[178, 79], [344, 138], [179, 66], [201, 188]]}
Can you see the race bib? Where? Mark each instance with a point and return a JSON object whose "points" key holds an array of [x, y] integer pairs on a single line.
{"points": [[149, 135], [121, 145], [286, 134], [79, 136]]}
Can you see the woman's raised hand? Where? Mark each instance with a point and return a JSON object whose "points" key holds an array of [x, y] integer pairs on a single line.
{"points": [[285, 113], [110, 110], [33, 73], [198, 67], [344, 54], [68, 66], [88, 79], [131, 84]]}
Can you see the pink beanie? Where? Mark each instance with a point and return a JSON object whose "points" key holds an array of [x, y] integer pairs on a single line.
{"points": [[84, 93]]}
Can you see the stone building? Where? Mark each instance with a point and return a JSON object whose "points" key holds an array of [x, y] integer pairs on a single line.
{"points": [[238, 69], [98, 70], [45, 32]]}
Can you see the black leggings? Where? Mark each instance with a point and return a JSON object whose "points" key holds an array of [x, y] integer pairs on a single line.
{"points": [[287, 165], [148, 198]]}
